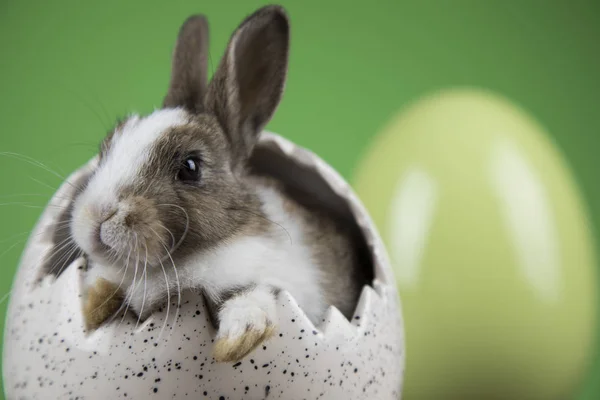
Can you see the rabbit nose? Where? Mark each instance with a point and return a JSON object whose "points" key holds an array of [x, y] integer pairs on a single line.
{"points": [[119, 215], [108, 214]]}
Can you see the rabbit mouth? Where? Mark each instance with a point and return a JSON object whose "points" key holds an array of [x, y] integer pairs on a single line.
{"points": [[100, 247]]}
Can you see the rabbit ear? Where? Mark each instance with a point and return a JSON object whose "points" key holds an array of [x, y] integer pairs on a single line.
{"points": [[248, 84], [189, 66]]}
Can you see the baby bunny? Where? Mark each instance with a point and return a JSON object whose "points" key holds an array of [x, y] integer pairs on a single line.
{"points": [[173, 203]]}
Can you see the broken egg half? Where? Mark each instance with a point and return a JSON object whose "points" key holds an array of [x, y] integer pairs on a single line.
{"points": [[48, 354]]}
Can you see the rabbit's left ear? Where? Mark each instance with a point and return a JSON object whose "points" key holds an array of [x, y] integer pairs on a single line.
{"points": [[248, 84], [187, 87]]}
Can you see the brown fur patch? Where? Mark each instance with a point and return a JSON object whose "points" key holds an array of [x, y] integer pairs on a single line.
{"points": [[103, 300], [232, 350]]}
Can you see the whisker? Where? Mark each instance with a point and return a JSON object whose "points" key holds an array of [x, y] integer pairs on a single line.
{"points": [[34, 206], [12, 247], [105, 113], [72, 92], [63, 224], [54, 189], [65, 249], [169, 232], [187, 225], [266, 219], [48, 195], [36, 163], [90, 145], [59, 247], [168, 301], [26, 205], [5, 297], [118, 287], [16, 236], [145, 286], [211, 62], [19, 242], [132, 287], [176, 281], [31, 234], [66, 257]]}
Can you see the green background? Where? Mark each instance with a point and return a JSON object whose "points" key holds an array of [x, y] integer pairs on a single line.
{"points": [[68, 69]]}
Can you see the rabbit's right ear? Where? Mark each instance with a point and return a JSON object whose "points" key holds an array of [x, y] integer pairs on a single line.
{"points": [[248, 84], [189, 66]]}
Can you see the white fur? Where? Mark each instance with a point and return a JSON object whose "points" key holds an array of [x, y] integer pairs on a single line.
{"points": [[132, 148], [95, 271], [254, 308], [281, 260]]}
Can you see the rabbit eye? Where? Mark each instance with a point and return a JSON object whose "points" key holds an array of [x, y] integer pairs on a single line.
{"points": [[189, 171]]}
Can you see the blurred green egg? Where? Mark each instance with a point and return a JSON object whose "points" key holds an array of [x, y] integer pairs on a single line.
{"points": [[491, 247]]}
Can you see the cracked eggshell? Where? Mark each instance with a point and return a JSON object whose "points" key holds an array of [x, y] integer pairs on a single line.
{"points": [[47, 354]]}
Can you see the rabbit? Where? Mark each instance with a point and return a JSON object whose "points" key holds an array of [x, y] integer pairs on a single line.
{"points": [[172, 203]]}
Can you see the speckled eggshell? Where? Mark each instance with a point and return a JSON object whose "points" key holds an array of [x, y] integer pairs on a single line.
{"points": [[47, 354]]}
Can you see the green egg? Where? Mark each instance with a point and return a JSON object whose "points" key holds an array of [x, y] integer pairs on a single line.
{"points": [[491, 247]]}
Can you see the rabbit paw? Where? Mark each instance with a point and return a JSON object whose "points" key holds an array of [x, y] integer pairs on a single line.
{"points": [[245, 322], [102, 300]]}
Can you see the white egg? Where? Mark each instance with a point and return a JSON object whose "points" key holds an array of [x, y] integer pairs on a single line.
{"points": [[47, 355]]}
